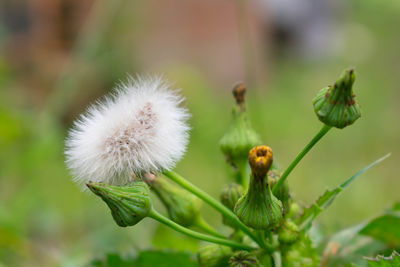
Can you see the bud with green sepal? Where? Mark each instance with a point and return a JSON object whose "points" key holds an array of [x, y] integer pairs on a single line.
{"points": [[128, 204], [243, 259], [288, 233], [240, 136], [258, 208], [335, 105], [182, 207], [214, 256], [229, 196], [283, 193]]}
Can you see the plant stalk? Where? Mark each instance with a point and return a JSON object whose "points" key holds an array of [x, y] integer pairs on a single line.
{"points": [[203, 225], [212, 202], [325, 128], [222, 241]]}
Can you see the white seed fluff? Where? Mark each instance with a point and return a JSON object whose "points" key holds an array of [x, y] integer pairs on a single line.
{"points": [[139, 128]]}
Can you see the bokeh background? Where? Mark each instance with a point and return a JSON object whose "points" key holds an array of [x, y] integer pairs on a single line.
{"points": [[58, 56]]}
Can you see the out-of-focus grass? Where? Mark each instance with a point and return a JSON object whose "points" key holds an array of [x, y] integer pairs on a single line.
{"points": [[46, 220]]}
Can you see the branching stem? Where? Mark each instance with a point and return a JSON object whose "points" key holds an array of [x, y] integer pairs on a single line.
{"points": [[203, 225], [179, 228], [299, 157], [212, 202]]}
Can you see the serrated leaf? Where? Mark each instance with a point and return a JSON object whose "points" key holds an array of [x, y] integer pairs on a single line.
{"points": [[385, 228], [310, 213], [381, 261]]}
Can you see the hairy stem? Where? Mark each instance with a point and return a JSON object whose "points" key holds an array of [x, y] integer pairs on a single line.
{"points": [[212, 202], [299, 157], [179, 228]]}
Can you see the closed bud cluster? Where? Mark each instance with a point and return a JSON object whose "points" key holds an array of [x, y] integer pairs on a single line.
{"points": [[214, 256], [182, 207], [128, 204], [335, 105], [243, 259], [240, 136], [258, 208]]}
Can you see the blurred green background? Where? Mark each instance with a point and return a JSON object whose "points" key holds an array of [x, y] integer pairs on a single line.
{"points": [[56, 57]]}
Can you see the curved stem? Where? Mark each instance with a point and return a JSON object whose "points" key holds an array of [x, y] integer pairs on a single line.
{"points": [[212, 202], [222, 241], [305, 150], [203, 225]]}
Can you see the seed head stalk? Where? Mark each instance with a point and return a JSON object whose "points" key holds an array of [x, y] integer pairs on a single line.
{"points": [[325, 128], [212, 202]]}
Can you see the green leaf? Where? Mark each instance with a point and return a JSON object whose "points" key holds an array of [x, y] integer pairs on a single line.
{"points": [[147, 258], [385, 228], [114, 260], [348, 247], [381, 261], [310, 213], [164, 259]]}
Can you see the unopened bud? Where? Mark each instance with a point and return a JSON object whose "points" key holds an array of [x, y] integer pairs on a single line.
{"points": [[229, 196], [240, 136], [283, 193], [182, 207], [128, 204], [289, 233], [258, 208], [243, 259], [214, 256], [335, 105]]}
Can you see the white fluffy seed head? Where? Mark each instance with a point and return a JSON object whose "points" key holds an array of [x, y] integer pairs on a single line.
{"points": [[139, 128]]}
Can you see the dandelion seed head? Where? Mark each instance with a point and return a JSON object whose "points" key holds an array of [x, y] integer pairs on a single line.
{"points": [[139, 128]]}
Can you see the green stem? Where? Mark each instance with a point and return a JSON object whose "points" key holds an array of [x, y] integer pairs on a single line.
{"points": [[203, 225], [179, 228], [305, 150], [211, 201], [276, 256], [261, 236]]}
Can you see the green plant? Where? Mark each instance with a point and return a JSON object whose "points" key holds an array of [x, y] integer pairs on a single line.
{"points": [[268, 227]]}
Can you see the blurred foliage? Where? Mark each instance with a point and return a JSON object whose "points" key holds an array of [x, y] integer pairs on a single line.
{"points": [[45, 220], [147, 259]]}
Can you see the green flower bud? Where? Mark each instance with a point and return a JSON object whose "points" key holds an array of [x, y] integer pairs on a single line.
{"points": [[128, 204], [289, 233], [335, 105], [243, 259], [258, 208], [294, 211], [283, 193], [229, 196], [214, 256], [240, 136], [182, 206]]}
